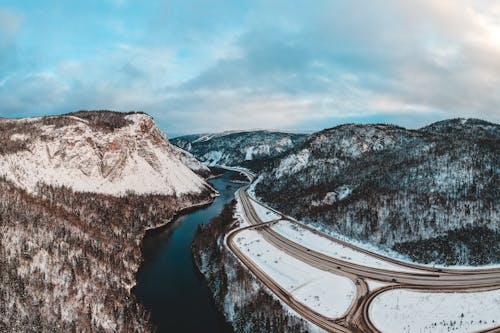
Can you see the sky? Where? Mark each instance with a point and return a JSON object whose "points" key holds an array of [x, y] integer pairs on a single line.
{"points": [[211, 65]]}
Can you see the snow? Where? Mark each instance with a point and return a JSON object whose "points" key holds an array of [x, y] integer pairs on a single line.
{"points": [[239, 213], [136, 158], [261, 150], [203, 138], [401, 310], [265, 214], [386, 252], [19, 137], [330, 248], [340, 193], [293, 163], [213, 157], [372, 284], [344, 192], [190, 161], [249, 154], [328, 294]]}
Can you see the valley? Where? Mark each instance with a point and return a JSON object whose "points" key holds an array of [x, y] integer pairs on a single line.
{"points": [[350, 229]]}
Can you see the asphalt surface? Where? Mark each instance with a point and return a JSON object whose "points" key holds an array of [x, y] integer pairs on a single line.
{"points": [[356, 319]]}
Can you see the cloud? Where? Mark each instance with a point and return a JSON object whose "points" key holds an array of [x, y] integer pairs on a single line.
{"points": [[9, 23], [206, 66]]}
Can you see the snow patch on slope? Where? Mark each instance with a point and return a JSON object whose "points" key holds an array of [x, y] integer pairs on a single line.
{"points": [[191, 162], [293, 163]]}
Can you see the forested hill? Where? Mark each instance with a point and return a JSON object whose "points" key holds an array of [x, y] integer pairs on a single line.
{"points": [[251, 149], [431, 193]]}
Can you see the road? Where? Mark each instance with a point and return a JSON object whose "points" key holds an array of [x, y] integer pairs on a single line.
{"points": [[356, 319]]}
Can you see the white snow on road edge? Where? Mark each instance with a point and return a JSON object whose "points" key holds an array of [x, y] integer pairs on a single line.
{"points": [[333, 249], [326, 293], [385, 252], [401, 310], [389, 253]]}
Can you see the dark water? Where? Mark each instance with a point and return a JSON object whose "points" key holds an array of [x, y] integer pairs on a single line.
{"points": [[169, 284]]}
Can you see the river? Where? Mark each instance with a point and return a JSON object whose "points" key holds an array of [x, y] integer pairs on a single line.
{"points": [[168, 282]]}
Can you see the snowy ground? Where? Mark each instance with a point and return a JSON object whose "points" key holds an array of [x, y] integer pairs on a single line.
{"points": [[372, 284], [265, 214], [333, 249], [326, 293], [402, 310]]}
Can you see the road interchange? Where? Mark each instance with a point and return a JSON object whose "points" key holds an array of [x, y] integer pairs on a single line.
{"points": [[356, 318]]}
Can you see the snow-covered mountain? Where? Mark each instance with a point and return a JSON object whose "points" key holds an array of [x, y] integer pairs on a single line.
{"points": [[102, 152], [191, 162], [77, 194], [246, 148], [432, 193]]}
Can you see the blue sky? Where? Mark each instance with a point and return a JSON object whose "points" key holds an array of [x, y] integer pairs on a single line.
{"points": [[199, 66]]}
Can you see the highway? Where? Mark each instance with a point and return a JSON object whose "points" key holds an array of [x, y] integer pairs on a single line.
{"points": [[356, 319]]}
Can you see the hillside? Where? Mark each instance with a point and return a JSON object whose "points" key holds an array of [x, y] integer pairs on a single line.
{"points": [[430, 193], [249, 149], [77, 193], [103, 152]]}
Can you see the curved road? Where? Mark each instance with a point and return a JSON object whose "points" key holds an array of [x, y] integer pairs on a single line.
{"points": [[356, 319]]}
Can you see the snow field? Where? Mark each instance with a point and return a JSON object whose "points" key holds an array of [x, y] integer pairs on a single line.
{"points": [[372, 284], [401, 310], [326, 293]]}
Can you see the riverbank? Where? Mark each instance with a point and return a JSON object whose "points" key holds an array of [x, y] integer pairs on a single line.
{"points": [[239, 296], [168, 284]]}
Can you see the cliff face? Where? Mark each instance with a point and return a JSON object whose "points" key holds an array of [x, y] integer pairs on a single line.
{"points": [[72, 218], [101, 152], [250, 149], [398, 188]]}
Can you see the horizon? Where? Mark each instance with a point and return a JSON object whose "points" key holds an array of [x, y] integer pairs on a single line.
{"points": [[209, 67], [171, 136]]}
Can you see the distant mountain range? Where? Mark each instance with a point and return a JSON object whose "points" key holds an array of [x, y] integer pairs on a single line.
{"points": [[246, 148], [431, 193]]}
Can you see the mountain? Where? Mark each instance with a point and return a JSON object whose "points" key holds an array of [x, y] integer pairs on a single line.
{"points": [[248, 149], [431, 193], [472, 128], [77, 193], [191, 162], [101, 152]]}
